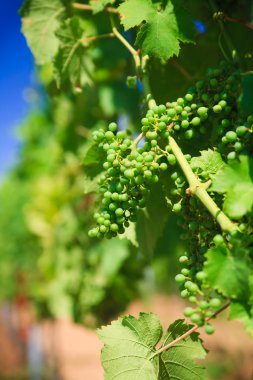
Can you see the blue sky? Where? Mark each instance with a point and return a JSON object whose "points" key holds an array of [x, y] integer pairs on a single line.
{"points": [[15, 76]]}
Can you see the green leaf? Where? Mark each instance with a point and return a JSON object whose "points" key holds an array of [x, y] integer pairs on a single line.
{"points": [[151, 221], [129, 350], [227, 273], [236, 181], [90, 185], [176, 362], [93, 160], [208, 161], [99, 5], [241, 313], [130, 234], [134, 12], [40, 19], [73, 61], [164, 29]]}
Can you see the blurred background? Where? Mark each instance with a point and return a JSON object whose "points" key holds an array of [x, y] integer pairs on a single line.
{"points": [[56, 285]]}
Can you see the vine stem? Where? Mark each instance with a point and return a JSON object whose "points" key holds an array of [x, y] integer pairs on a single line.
{"points": [[245, 23], [222, 29], [99, 37], [129, 47], [137, 140], [86, 7], [198, 189], [189, 332]]}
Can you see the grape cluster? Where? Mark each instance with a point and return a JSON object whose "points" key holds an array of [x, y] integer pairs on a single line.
{"points": [[208, 112], [129, 172], [208, 108]]}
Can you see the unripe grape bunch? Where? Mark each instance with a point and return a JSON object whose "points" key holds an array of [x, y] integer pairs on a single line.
{"points": [[208, 110], [209, 114]]}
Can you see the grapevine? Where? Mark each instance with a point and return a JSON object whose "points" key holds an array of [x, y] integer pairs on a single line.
{"points": [[154, 99], [131, 170]]}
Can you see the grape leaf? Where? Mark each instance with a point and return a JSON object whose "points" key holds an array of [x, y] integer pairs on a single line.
{"points": [[72, 61], [129, 350], [236, 180], [227, 273], [134, 12], [130, 234], [241, 313], [90, 185], [40, 19], [151, 221], [176, 362], [209, 161], [93, 160], [159, 36], [99, 5]]}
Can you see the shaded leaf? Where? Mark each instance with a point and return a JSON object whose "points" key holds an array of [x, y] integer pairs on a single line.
{"points": [[40, 20], [152, 220], [73, 61], [99, 5]]}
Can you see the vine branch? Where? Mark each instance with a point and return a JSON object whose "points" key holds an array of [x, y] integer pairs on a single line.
{"points": [[86, 7], [199, 189], [223, 17], [222, 29], [129, 47], [189, 332]]}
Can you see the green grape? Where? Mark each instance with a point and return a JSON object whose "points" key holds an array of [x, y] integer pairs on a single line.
{"points": [[231, 136], [195, 121], [202, 111], [204, 305], [180, 278], [112, 127], [183, 259], [215, 303], [193, 288], [185, 271], [231, 156], [188, 311], [240, 131], [193, 299], [184, 124], [171, 159], [218, 239], [189, 134], [196, 318], [209, 329], [177, 207], [189, 97], [185, 293], [201, 276], [163, 166], [217, 108]]}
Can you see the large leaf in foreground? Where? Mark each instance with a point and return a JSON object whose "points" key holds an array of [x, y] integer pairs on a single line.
{"points": [[177, 362], [129, 350]]}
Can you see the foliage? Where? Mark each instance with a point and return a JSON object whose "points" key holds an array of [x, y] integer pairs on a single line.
{"points": [[165, 146]]}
